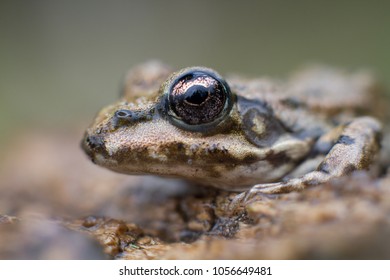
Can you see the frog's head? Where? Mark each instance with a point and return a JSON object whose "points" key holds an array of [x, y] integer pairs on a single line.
{"points": [[186, 125]]}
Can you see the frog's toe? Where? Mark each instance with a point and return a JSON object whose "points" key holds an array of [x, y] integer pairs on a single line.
{"points": [[237, 202], [243, 199]]}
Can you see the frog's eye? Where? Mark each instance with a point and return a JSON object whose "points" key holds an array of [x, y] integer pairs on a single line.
{"points": [[198, 97]]}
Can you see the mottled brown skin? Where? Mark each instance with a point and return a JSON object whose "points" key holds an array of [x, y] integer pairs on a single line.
{"points": [[274, 137]]}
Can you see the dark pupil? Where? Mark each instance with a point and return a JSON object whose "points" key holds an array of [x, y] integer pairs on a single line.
{"points": [[198, 98], [196, 95]]}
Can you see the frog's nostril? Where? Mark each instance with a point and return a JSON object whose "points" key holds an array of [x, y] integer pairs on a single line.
{"points": [[123, 114], [125, 117]]}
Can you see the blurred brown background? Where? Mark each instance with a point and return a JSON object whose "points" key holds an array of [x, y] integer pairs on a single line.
{"points": [[60, 61]]}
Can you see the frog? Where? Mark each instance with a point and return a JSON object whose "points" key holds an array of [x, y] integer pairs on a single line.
{"points": [[252, 136]]}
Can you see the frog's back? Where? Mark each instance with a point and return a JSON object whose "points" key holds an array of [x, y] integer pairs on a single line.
{"points": [[320, 89], [312, 97], [332, 90]]}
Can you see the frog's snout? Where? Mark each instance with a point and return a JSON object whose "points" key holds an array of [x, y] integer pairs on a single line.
{"points": [[93, 145]]}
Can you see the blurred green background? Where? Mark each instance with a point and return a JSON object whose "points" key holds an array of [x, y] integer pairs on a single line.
{"points": [[60, 61]]}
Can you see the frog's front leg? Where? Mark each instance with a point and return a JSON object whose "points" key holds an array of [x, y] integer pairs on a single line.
{"points": [[355, 149]]}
